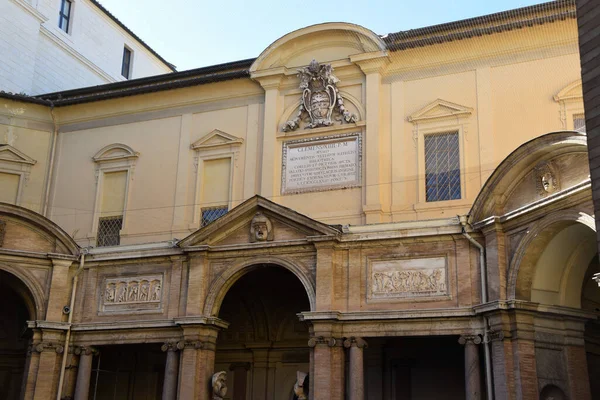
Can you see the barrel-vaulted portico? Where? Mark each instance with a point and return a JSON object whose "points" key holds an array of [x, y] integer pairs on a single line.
{"points": [[535, 213]]}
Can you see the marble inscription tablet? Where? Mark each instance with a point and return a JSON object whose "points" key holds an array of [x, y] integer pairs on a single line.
{"points": [[324, 163]]}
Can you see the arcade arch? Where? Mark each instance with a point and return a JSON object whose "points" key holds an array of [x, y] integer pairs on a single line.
{"points": [[265, 343], [18, 307]]}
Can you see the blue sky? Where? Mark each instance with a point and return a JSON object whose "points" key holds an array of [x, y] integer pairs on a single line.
{"points": [[191, 33]]}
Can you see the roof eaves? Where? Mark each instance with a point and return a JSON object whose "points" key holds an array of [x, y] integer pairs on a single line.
{"points": [[482, 25], [24, 98], [150, 88]]}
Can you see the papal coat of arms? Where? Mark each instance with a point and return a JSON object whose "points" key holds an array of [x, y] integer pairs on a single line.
{"points": [[320, 97]]}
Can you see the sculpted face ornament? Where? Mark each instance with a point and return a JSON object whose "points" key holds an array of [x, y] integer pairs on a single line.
{"points": [[546, 177], [547, 182], [261, 228], [320, 97], [219, 387]]}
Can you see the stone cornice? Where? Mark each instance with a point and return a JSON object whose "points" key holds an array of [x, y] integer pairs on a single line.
{"points": [[386, 315], [527, 306], [581, 190]]}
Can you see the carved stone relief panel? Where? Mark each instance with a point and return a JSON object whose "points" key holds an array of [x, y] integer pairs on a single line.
{"points": [[134, 293], [408, 278]]}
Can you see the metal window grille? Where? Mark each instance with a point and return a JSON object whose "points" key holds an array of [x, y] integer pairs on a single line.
{"points": [[442, 167], [126, 64], [64, 15], [579, 122], [210, 214], [108, 231]]}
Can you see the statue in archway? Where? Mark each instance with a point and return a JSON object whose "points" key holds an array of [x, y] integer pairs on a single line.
{"points": [[219, 386], [261, 228], [301, 386]]}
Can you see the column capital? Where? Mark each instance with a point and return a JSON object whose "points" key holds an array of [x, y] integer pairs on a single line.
{"points": [[196, 345], [41, 347], [469, 339], [322, 340], [356, 342], [170, 346], [85, 350]]}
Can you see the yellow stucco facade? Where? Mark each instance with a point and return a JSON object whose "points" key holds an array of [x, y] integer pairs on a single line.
{"points": [[236, 245]]}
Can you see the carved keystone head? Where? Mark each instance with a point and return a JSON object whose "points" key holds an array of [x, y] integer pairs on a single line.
{"points": [[261, 228], [546, 177]]}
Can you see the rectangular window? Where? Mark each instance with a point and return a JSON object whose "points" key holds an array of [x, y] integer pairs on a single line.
{"points": [[64, 15], [114, 187], [9, 187], [215, 189], [442, 167], [109, 229], [126, 65], [579, 122], [210, 214]]}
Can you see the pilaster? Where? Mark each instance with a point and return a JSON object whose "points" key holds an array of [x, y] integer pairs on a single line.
{"points": [[373, 65], [59, 289], [197, 363], [269, 152], [327, 363]]}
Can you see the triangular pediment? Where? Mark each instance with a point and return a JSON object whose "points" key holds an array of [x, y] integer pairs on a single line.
{"points": [[573, 91], [216, 138], [439, 109], [234, 228], [9, 153]]}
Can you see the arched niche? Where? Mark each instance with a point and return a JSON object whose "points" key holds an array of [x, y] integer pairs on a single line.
{"points": [[551, 262], [225, 281], [323, 42]]}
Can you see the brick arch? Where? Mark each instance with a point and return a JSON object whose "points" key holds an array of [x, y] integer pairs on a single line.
{"points": [[522, 267], [29, 289], [227, 279]]}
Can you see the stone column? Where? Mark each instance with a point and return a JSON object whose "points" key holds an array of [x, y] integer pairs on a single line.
{"points": [[197, 361], [171, 371], [356, 373], [84, 372], [472, 370], [327, 381]]}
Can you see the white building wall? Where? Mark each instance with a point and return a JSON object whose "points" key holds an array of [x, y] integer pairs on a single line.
{"points": [[49, 60], [19, 31]]}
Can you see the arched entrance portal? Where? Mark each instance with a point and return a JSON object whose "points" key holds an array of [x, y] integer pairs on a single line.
{"points": [[265, 344], [555, 266], [17, 307]]}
